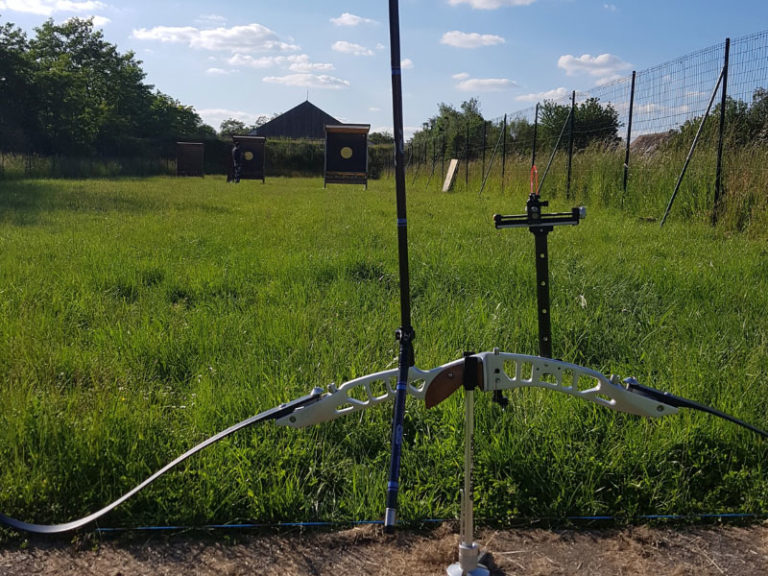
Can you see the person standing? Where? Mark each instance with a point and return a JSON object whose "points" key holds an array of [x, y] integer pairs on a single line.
{"points": [[237, 161]]}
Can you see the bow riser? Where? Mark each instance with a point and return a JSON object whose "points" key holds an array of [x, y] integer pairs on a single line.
{"points": [[496, 371]]}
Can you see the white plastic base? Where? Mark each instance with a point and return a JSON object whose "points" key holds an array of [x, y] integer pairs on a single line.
{"points": [[468, 562]]}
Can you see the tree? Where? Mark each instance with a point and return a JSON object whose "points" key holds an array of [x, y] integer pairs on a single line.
{"points": [[452, 131], [745, 124], [593, 123], [520, 135], [74, 67], [381, 138], [68, 91], [16, 87], [757, 117], [231, 126]]}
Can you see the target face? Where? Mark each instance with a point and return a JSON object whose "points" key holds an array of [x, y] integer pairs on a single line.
{"points": [[253, 151], [346, 153]]}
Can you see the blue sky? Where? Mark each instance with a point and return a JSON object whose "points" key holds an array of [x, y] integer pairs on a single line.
{"points": [[249, 58]]}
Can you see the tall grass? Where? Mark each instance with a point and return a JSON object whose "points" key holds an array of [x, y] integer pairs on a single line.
{"points": [[138, 317]]}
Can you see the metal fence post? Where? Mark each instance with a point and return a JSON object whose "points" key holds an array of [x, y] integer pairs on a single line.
{"points": [[485, 139], [535, 134], [629, 137], [723, 99], [570, 145], [504, 154], [466, 156]]}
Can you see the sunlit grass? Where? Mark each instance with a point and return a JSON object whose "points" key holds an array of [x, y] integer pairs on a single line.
{"points": [[138, 317]]}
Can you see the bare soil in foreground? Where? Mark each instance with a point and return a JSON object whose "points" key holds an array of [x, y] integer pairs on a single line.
{"points": [[677, 551]]}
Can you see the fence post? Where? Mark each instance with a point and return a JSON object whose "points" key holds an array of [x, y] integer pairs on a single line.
{"points": [[724, 96], [570, 145], [485, 136], [504, 155], [466, 155], [693, 148], [629, 136], [442, 155], [535, 134]]}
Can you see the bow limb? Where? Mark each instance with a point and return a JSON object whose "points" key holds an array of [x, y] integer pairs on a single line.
{"points": [[271, 414]]}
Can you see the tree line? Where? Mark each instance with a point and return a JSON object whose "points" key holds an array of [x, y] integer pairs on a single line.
{"points": [[465, 133], [66, 91]]}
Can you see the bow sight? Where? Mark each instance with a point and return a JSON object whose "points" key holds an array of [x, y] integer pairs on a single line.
{"points": [[540, 225]]}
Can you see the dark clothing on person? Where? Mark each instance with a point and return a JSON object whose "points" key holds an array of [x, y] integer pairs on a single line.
{"points": [[237, 162]]}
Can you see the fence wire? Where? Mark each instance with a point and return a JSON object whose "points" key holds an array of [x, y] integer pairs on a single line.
{"points": [[660, 108]]}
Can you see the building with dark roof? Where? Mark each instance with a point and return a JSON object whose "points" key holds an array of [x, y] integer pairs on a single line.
{"points": [[303, 121]]}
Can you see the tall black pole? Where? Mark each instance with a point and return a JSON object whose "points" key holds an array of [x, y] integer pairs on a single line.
{"points": [[405, 333]]}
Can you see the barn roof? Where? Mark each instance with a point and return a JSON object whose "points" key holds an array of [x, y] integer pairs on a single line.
{"points": [[303, 121]]}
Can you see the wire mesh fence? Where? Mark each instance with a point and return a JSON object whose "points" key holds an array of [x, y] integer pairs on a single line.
{"points": [[697, 124]]}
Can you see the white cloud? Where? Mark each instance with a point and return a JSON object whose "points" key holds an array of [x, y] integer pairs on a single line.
{"points": [[406, 64], [219, 71], [465, 83], [350, 48], [491, 4], [301, 63], [610, 7], [248, 38], [556, 94], [215, 116], [348, 19], [602, 66], [321, 81], [50, 7], [249, 61], [98, 21], [471, 40], [294, 62]]}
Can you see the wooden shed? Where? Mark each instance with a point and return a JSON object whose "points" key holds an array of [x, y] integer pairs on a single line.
{"points": [[303, 121]]}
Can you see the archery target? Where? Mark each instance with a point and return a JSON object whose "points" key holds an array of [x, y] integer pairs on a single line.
{"points": [[189, 158], [253, 153], [346, 154]]}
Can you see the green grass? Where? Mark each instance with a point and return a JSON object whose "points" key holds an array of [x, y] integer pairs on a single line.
{"points": [[138, 317]]}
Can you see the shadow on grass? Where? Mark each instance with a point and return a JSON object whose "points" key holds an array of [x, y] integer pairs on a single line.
{"points": [[25, 202]]}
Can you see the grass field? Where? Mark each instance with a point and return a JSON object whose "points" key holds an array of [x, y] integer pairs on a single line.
{"points": [[138, 317]]}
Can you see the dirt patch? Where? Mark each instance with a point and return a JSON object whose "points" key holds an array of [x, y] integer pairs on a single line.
{"points": [[695, 551]]}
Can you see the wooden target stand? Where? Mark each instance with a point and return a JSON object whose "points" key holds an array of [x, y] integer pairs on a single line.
{"points": [[190, 158], [346, 154], [252, 149]]}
